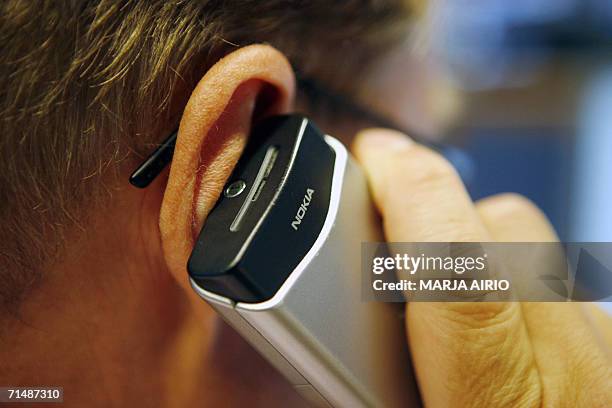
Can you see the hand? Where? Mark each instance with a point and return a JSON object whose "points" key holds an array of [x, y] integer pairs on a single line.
{"points": [[483, 354]]}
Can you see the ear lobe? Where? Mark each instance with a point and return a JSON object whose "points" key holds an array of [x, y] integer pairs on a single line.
{"points": [[249, 82]]}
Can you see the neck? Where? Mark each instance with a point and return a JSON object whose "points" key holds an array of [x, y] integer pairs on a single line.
{"points": [[116, 334], [100, 335]]}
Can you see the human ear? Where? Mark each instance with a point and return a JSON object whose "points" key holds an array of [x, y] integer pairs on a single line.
{"points": [[248, 83]]}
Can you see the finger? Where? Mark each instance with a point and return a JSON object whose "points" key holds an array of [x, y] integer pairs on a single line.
{"points": [[513, 218], [603, 321], [464, 354], [573, 362], [418, 192], [569, 342]]}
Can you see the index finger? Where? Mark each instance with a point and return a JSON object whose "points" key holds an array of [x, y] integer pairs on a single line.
{"points": [[463, 353]]}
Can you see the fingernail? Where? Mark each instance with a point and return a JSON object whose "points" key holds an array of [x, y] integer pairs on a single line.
{"points": [[385, 138]]}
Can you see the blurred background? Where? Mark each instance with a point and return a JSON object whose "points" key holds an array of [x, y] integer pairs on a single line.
{"points": [[524, 87], [535, 83], [532, 85]]}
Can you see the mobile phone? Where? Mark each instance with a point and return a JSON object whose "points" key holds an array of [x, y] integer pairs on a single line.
{"points": [[279, 258]]}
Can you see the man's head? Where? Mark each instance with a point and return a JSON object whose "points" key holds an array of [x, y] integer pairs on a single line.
{"points": [[92, 270], [89, 87]]}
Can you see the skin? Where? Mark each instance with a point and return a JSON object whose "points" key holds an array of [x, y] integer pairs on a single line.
{"points": [[483, 354], [116, 323]]}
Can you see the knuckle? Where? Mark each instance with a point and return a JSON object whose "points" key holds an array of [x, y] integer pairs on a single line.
{"points": [[480, 315], [422, 166], [491, 354], [508, 204]]}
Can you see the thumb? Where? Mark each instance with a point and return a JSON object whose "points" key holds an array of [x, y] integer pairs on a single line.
{"points": [[464, 354]]}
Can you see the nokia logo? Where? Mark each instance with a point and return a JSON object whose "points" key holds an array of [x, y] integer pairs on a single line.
{"points": [[301, 212]]}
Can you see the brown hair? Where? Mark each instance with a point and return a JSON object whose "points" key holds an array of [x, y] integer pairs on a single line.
{"points": [[87, 84]]}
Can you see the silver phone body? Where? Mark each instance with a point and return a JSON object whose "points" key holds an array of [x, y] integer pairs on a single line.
{"points": [[335, 348]]}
